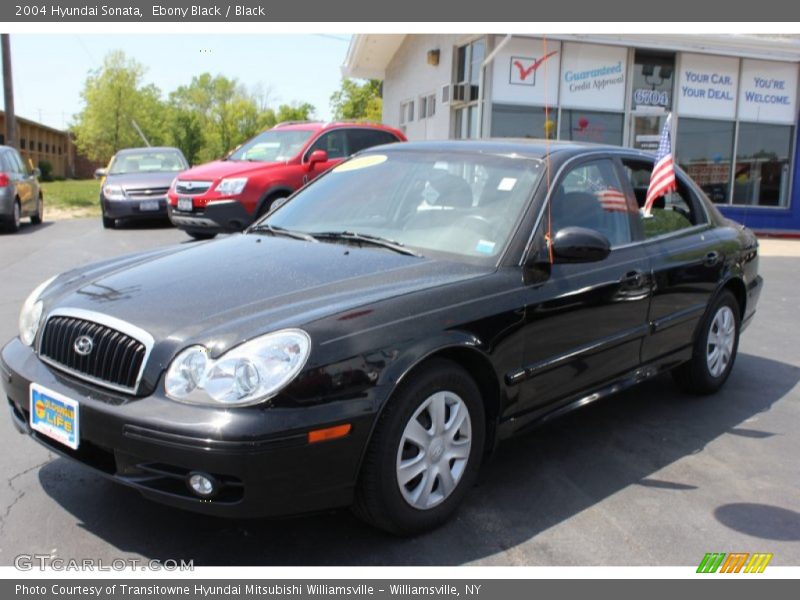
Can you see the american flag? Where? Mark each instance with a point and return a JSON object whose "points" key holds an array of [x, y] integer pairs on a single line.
{"points": [[612, 200], [662, 180]]}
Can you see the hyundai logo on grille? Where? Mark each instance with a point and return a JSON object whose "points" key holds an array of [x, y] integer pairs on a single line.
{"points": [[83, 345]]}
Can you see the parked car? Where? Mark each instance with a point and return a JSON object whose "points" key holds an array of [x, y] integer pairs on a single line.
{"points": [[229, 194], [136, 182], [371, 341], [20, 194]]}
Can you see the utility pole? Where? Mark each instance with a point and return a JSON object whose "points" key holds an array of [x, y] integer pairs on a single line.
{"points": [[8, 92]]}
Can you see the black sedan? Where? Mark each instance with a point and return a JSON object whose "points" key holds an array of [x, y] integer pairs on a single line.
{"points": [[371, 341], [136, 182]]}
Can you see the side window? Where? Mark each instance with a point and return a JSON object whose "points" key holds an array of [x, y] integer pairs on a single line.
{"points": [[672, 212], [333, 142], [591, 196], [361, 139], [23, 167]]}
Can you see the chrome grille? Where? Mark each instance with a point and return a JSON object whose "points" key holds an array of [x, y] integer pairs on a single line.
{"points": [[146, 193], [115, 360], [192, 188]]}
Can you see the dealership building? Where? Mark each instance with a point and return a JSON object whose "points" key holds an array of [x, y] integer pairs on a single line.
{"points": [[734, 100]]}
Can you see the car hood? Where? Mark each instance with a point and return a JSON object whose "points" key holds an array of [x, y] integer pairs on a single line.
{"points": [[224, 292], [225, 168], [142, 180]]}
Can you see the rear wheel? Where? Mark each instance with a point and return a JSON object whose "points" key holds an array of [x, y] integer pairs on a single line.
{"points": [[36, 218], [201, 235], [714, 349], [425, 453], [13, 225]]}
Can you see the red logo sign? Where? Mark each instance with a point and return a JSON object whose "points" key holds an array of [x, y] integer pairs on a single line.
{"points": [[523, 69]]}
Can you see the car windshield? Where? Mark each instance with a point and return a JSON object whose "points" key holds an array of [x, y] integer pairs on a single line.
{"points": [[148, 161], [466, 205], [272, 146]]}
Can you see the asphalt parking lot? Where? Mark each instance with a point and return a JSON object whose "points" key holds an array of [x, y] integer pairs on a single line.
{"points": [[649, 477]]}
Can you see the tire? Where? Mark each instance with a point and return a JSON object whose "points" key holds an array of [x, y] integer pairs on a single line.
{"points": [[392, 492], [36, 218], [267, 204], [711, 362], [13, 225], [108, 222], [201, 235]]}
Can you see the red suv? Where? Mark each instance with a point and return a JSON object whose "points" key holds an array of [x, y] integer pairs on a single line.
{"points": [[229, 194]]}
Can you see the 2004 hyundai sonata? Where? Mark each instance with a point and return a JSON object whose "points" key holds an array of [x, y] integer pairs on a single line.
{"points": [[369, 342]]}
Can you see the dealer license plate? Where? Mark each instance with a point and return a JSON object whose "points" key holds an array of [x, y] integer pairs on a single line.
{"points": [[148, 205], [185, 204], [54, 415]]}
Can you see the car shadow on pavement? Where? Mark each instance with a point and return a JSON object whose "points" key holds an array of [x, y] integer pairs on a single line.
{"points": [[155, 223], [534, 482], [27, 228]]}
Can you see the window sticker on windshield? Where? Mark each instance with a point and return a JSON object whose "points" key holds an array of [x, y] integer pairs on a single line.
{"points": [[484, 247], [361, 162], [507, 184]]}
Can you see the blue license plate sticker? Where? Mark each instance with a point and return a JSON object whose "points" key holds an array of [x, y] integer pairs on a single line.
{"points": [[54, 415]]}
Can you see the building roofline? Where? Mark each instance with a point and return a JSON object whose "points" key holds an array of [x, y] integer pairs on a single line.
{"points": [[37, 124]]}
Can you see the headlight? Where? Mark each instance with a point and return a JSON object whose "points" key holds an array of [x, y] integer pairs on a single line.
{"points": [[245, 375], [113, 192], [31, 314], [231, 187]]}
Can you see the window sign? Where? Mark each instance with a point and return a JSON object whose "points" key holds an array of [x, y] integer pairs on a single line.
{"points": [[707, 86], [768, 92], [593, 77], [526, 72]]}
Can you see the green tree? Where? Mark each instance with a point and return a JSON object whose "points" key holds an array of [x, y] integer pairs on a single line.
{"points": [[114, 96], [355, 101], [185, 131]]}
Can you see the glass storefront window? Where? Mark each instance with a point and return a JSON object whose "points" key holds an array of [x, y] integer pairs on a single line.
{"points": [[591, 126], [762, 164], [509, 120], [704, 149]]}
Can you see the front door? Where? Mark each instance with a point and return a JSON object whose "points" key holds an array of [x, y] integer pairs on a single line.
{"points": [[585, 322]]}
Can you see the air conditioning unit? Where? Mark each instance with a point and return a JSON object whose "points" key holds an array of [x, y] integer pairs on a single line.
{"points": [[459, 93]]}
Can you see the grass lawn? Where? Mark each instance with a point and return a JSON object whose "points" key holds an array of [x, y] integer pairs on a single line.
{"points": [[71, 198]]}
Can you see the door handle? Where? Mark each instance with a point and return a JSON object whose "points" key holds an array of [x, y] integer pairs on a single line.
{"points": [[632, 278], [711, 259]]}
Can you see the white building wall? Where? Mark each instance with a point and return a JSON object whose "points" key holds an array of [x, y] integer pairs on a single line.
{"points": [[409, 77]]}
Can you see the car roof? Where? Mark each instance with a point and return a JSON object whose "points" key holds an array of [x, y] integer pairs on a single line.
{"points": [[147, 149], [322, 125], [524, 147]]}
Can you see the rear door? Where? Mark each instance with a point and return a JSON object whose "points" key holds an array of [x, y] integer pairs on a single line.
{"points": [[686, 259], [361, 139], [585, 322]]}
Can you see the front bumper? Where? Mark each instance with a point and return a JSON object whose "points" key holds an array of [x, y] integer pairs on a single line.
{"points": [[126, 209], [215, 217], [260, 455]]}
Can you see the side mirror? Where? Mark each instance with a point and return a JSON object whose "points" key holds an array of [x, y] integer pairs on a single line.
{"points": [[579, 245], [317, 156], [37, 172], [100, 173]]}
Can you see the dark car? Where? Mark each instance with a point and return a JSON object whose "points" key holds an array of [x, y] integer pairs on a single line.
{"points": [[20, 194], [372, 340], [229, 194], [136, 183]]}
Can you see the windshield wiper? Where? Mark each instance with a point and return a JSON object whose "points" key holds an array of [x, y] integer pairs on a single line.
{"points": [[275, 230], [365, 238]]}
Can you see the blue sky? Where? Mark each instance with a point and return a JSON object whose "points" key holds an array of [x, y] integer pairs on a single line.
{"points": [[49, 70]]}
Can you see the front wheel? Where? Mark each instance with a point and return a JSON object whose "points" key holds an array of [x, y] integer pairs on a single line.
{"points": [[714, 349], [425, 453], [36, 218]]}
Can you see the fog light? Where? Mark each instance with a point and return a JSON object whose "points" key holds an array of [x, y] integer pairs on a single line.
{"points": [[202, 484]]}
